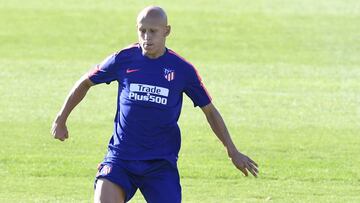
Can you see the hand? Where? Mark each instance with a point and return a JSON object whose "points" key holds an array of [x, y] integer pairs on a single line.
{"points": [[244, 163], [59, 130]]}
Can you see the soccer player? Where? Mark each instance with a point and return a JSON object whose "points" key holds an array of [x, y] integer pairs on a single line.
{"points": [[143, 150]]}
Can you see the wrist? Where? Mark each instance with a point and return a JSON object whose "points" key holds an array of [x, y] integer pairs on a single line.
{"points": [[231, 151], [60, 119]]}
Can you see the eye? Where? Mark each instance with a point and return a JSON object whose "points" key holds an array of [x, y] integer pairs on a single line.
{"points": [[142, 31]]}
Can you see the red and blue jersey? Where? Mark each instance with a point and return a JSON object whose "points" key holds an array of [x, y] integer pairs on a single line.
{"points": [[150, 95]]}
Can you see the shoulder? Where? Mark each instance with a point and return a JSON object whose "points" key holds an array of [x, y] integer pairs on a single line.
{"points": [[127, 52], [131, 47], [119, 57], [180, 60], [187, 66]]}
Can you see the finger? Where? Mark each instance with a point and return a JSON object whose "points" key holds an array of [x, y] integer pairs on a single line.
{"points": [[59, 137], [243, 170], [54, 134], [253, 162], [63, 137], [253, 167], [98, 166], [251, 170], [52, 130]]}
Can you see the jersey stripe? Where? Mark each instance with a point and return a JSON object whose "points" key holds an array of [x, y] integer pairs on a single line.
{"points": [[130, 46], [97, 67], [197, 73]]}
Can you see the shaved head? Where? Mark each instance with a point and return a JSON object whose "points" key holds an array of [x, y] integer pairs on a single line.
{"points": [[153, 13], [152, 28]]}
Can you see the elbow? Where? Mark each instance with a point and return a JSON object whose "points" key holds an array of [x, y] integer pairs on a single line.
{"points": [[85, 83]]}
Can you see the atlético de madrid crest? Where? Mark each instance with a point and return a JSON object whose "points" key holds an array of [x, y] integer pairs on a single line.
{"points": [[169, 74]]}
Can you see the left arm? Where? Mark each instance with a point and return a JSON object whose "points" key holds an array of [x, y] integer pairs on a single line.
{"points": [[241, 161]]}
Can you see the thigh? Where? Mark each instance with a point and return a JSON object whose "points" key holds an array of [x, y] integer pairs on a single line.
{"points": [[106, 191], [162, 185], [114, 181]]}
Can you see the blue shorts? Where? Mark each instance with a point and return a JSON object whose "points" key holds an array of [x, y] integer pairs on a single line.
{"points": [[158, 180]]}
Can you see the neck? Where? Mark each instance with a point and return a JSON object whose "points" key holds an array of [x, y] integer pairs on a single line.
{"points": [[154, 55]]}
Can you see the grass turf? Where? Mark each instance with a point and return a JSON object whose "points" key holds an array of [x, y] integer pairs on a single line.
{"points": [[284, 75]]}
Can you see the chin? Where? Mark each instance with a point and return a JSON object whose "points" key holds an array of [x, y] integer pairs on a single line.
{"points": [[149, 52]]}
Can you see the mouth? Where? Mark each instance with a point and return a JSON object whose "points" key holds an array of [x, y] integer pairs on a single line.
{"points": [[147, 45]]}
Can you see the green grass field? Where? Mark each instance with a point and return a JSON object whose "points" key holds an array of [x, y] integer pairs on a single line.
{"points": [[284, 74]]}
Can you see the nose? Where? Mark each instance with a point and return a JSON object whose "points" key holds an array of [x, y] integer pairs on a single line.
{"points": [[147, 35]]}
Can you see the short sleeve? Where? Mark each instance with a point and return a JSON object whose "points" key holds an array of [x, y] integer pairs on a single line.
{"points": [[195, 89], [105, 72]]}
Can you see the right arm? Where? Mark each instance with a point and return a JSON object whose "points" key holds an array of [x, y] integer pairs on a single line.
{"points": [[77, 93]]}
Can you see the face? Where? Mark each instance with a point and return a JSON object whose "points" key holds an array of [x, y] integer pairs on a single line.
{"points": [[152, 35]]}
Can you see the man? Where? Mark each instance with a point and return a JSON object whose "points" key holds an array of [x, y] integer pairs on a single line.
{"points": [[142, 153]]}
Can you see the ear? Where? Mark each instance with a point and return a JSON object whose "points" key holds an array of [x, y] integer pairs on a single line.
{"points": [[167, 30]]}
